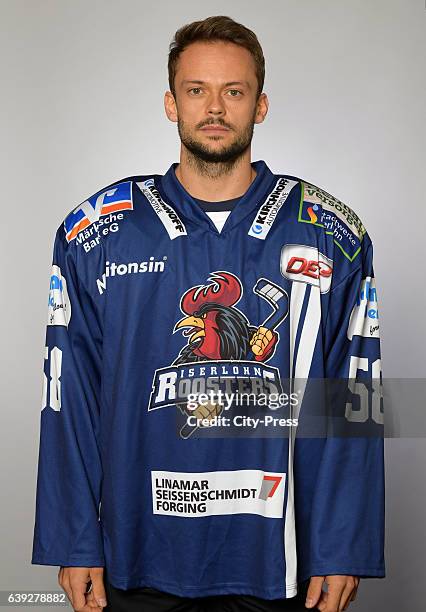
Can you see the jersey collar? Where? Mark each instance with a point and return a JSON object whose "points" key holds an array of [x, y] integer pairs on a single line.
{"points": [[173, 192]]}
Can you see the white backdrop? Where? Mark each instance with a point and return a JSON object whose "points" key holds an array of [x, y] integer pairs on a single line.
{"points": [[82, 105]]}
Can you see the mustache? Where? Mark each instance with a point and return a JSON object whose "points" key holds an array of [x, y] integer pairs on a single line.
{"points": [[219, 124]]}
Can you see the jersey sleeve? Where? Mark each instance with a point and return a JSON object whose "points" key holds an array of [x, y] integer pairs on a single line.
{"points": [[347, 520], [67, 528]]}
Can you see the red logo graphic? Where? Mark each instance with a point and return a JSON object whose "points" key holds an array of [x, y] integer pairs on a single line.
{"points": [[309, 267], [269, 486]]}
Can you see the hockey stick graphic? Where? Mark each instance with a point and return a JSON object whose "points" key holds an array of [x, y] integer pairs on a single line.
{"points": [[278, 299]]}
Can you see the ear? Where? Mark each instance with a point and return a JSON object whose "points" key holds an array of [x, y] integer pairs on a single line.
{"points": [[262, 106], [170, 106]]}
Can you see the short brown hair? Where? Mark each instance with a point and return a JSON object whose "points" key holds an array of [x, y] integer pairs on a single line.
{"points": [[211, 29]]}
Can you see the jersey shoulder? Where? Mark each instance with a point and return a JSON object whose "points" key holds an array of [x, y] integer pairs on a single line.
{"points": [[89, 219], [335, 220], [318, 199]]}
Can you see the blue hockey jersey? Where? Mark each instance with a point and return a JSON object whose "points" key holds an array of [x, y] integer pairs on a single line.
{"points": [[150, 306]]}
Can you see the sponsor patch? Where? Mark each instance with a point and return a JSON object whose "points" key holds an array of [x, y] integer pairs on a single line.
{"points": [[364, 320], [194, 494], [268, 211], [59, 308], [305, 264], [91, 218], [167, 215], [113, 269], [320, 208]]}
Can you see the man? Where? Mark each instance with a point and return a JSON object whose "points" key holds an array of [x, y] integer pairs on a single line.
{"points": [[219, 277]]}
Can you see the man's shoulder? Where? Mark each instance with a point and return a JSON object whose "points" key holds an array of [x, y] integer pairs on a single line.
{"points": [[317, 200], [86, 218], [321, 212], [322, 200]]}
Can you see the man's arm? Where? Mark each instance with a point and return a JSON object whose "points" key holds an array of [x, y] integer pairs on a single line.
{"points": [[67, 530], [348, 504]]}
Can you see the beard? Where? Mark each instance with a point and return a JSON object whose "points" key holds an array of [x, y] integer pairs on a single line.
{"points": [[219, 161]]}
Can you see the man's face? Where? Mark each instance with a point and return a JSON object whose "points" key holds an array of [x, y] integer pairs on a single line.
{"points": [[216, 100]]}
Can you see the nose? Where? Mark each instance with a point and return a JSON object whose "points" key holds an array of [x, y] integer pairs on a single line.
{"points": [[215, 106]]}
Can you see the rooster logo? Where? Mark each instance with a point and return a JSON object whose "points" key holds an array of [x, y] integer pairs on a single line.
{"points": [[217, 330]]}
